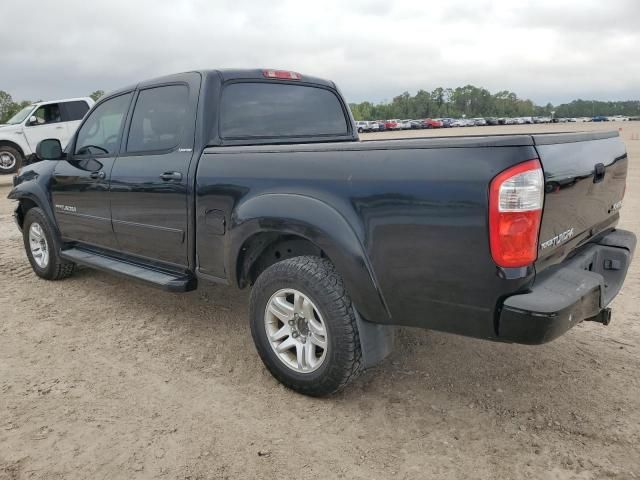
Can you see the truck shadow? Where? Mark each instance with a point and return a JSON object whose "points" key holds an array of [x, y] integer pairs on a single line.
{"points": [[205, 334]]}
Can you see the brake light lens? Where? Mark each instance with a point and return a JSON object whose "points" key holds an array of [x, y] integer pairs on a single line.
{"points": [[516, 196], [281, 75]]}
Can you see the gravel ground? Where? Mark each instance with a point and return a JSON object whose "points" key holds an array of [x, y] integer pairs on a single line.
{"points": [[104, 378]]}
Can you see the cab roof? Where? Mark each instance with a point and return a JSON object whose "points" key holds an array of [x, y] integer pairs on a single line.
{"points": [[75, 99], [224, 75]]}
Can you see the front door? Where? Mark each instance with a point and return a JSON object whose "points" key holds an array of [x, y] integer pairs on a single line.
{"points": [[48, 123], [80, 187], [149, 180]]}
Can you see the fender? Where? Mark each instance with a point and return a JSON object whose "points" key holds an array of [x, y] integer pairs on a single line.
{"points": [[32, 183], [19, 142], [322, 225]]}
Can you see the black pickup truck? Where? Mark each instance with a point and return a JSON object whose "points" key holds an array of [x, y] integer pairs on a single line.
{"points": [[258, 178]]}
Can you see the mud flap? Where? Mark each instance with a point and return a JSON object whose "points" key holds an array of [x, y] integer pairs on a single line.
{"points": [[376, 341]]}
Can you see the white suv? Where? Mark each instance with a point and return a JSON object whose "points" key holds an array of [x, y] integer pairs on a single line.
{"points": [[362, 126], [22, 132]]}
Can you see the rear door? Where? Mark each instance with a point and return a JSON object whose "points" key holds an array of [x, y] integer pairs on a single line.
{"points": [[80, 186], [149, 180], [72, 114], [585, 176]]}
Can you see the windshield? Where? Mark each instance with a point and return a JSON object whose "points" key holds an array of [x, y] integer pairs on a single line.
{"points": [[20, 116]]}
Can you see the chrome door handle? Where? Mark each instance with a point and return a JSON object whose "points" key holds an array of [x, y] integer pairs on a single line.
{"points": [[99, 175], [166, 176]]}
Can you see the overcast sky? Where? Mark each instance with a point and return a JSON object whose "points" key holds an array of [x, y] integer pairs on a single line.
{"points": [[546, 50]]}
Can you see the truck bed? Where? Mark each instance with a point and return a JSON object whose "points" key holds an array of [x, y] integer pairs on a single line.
{"points": [[419, 209]]}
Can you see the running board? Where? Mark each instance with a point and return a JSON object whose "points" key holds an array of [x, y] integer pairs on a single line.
{"points": [[172, 282]]}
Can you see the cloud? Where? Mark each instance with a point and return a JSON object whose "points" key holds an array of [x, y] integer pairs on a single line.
{"points": [[545, 50]]}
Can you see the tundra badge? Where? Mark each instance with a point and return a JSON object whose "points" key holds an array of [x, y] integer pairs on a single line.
{"points": [[558, 239]]}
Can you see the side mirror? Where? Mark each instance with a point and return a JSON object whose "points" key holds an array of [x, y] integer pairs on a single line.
{"points": [[33, 120], [49, 149]]}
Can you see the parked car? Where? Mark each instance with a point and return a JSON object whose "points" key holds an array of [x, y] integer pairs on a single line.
{"points": [[447, 122], [416, 124], [479, 122], [458, 122], [393, 125], [492, 121], [362, 126], [53, 119], [599, 118], [431, 123], [340, 240]]}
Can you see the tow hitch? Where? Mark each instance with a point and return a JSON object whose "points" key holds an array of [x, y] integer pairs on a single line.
{"points": [[604, 317]]}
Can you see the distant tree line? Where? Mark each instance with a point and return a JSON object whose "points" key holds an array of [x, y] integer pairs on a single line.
{"points": [[472, 101], [9, 107], [589, 108]]}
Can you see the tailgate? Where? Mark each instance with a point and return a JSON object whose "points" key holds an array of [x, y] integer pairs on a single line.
{"points": [[585, 176]]}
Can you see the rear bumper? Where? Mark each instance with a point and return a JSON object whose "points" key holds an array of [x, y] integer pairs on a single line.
{"points": [[564, 295]]}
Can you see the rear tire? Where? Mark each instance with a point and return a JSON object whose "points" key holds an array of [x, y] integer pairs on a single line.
{"points": [[10, 159], [315, 281], [43, 248]]}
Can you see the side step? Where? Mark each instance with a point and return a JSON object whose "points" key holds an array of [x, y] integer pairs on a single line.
{"points": [[172, 282]]}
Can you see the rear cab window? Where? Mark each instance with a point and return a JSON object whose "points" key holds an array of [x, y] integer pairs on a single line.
{"points": [[263, 110]]}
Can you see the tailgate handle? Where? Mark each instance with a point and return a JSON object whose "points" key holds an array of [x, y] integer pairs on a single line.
{"points": [[598, 174]]}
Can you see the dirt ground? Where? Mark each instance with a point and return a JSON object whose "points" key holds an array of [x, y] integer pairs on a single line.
{"points": [[103, 378]]}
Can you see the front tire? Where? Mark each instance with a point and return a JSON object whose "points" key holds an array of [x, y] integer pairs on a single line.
{"points": [[10, 159], [304, 327], [43, 248]]}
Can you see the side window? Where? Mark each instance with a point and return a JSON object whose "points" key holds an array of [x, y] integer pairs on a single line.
{"points": [[100, 133], [158, 119], [270, 110], [47, 114], [74, 111]]}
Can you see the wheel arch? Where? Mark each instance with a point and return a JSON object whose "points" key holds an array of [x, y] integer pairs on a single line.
{"points": [[29, 194], [274, 219], [18, 147]]}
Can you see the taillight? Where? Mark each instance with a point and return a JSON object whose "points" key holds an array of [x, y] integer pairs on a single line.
{"points": [[281, 75], [515, 211]]}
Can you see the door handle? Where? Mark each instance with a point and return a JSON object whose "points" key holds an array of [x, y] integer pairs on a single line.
{"points": [[99, 175], [59, 128], [166, 176]]}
